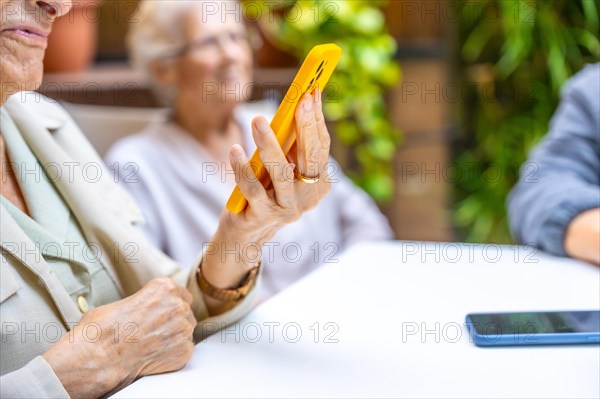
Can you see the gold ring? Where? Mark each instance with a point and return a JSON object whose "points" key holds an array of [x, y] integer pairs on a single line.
{"points": [[306, 179]]}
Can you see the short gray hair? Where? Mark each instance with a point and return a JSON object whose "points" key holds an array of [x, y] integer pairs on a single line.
{"points": [[159, 33]]}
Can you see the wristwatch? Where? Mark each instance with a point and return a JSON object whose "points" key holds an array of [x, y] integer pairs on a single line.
{"points": [[231, 294]]}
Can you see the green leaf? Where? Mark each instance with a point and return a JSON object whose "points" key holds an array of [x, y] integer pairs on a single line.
{"points": [[590, 10]]}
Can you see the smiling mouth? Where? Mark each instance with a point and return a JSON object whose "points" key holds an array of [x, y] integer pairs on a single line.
{"points": [[29, 35]]}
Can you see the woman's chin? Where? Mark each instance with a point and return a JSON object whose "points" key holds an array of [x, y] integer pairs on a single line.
{"points": [[21, 75], [34, 76]]}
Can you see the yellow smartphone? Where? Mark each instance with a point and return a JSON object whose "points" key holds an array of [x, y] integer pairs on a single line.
{"points": [[315, 72]]}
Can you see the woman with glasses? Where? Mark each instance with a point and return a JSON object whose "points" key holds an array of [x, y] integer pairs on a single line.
{"points": [[198, 59]]}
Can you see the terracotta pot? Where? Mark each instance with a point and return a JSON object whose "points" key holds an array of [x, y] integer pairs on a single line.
{"points": [[72, 43]]}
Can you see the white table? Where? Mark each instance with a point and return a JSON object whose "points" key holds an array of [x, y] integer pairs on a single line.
{"points": [[378, 300]]}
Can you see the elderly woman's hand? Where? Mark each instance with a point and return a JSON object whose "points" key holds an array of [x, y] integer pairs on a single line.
{"points": [[270, 209], [290, 197], [147, 333]]}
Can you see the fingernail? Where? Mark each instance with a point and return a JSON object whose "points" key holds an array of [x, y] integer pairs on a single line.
{"points": [[308, 103], [318, 96], [237, 151], [261, 125]]}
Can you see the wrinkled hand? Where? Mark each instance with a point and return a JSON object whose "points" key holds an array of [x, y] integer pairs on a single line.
{"points": [[147, 333], [284, 203], [269, 209]]}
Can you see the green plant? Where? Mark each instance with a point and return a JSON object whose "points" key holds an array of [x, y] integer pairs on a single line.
{"points": [[355, 105], [514, 57]]}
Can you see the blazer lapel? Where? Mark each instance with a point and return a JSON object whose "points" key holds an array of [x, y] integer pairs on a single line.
{"points": [[83, 197], [16, 243], [104, 211], [40, 140]]}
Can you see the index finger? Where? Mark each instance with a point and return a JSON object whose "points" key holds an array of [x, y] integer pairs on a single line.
{"points": [[308, 145]]}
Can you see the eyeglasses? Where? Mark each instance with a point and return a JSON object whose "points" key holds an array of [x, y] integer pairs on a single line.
{"points": [[212, 44]]}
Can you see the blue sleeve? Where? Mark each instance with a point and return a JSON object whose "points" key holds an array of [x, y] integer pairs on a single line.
{"points": [[562, 176]]}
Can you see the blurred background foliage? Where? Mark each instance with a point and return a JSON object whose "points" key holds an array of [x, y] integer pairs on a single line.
{"points": [[513, 58], [355, 100]]}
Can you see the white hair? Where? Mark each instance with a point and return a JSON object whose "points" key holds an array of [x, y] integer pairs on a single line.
{"points": [[159, 32]]}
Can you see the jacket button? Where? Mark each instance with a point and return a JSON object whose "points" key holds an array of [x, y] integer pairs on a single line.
{"points": [[82, 303]]}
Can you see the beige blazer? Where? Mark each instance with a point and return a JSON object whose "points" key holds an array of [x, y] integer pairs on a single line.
{"points": [[35, 309]]}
